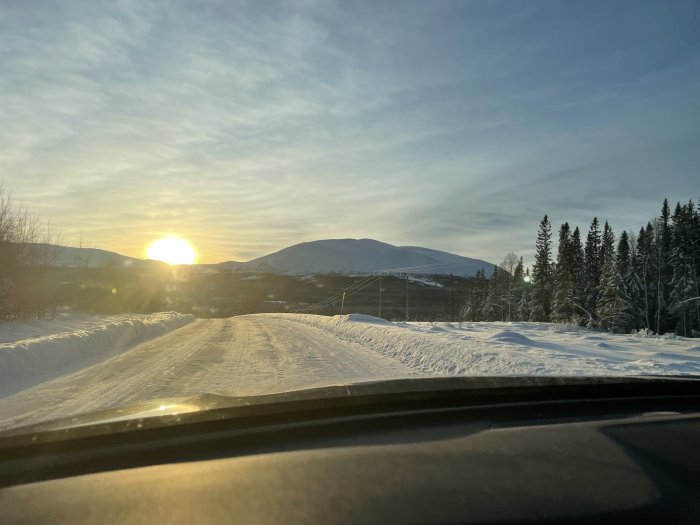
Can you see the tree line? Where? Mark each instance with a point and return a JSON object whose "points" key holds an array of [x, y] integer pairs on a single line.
{"points": [[648, 281], [25, 246]]}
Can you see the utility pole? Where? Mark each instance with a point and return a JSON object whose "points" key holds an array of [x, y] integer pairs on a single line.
{"points": [[380, 295], [452, 299], [342, 304], [406, 297]]}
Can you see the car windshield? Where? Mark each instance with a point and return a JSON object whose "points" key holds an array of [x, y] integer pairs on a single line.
{"points": [[244, 198]]}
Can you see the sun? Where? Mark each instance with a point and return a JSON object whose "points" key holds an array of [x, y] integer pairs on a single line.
{"points": [[172, 250]]}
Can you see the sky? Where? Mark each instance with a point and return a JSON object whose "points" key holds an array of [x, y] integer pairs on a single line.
{"points": [[246, 127]]}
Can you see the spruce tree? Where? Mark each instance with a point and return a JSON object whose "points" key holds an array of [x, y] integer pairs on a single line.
{"points": [[623, 254], [475, 301], [663, 267], [635, 286], [492, 308], [524, 302], [627, 286], [683, 286], [610, 306], [520, 292], [607, 287], [562, 307], [540, 302], [578, 272], [519, 272], [592, 270], [694, 241], [646, 269]]}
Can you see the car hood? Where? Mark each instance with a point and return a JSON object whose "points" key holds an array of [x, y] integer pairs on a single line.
{"points": [[207, 407]]}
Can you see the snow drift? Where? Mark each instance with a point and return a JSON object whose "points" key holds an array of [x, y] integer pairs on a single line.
{"points": [[510, 348], [27, 361]]}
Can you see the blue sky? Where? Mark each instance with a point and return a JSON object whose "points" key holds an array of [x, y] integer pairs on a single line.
{"points": [[249, 126]]}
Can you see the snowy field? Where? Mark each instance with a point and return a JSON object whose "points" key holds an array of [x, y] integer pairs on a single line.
{"points": [[77, 364], [485, 348]]}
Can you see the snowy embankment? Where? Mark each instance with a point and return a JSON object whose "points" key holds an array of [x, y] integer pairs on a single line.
{"points": [[35, 351], [512, 348]]}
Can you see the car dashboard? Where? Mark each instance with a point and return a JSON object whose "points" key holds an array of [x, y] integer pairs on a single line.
{"points": [[623, 452]]}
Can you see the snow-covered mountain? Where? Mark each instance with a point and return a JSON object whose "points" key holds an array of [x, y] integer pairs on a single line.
{"points": [[360, 256], [347, 256]]}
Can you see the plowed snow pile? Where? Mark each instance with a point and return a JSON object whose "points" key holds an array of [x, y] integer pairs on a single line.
{"points": [[512, 348], [34, 351]]}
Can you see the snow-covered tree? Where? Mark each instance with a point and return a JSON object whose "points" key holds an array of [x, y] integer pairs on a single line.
{"points": [[524, 301], [611, 306], [651, 281], [475, 300], [684, 285]]}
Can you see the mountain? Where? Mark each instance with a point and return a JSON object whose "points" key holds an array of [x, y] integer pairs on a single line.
{"points": [[360, 256], [344, 256], [56, 255]]}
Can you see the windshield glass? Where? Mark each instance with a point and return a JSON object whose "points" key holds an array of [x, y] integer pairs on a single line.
{"points": [[243, 198]]}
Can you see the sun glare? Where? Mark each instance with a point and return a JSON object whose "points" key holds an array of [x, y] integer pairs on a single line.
{"points": [[171, 250]]}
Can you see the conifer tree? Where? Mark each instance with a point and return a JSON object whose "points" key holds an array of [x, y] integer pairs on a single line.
{"points": [[651, 281], [645, 269], [518, 286], [635, 287], [562, 307], [475, 301], [578, 272], [663, 267], [494, 307], [610, 306], [519, 271], [683, 285], [540, 307], [524, 302], [627, 289], [591, 270], [509, 285]]}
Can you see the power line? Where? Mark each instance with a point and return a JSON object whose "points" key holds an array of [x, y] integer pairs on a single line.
{"points": [[366, 281], [337, 296]]}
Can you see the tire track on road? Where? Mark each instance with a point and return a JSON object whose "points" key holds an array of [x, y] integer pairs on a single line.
{"points": [[244, 355]]}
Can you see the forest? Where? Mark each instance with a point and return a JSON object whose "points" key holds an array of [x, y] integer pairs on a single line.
{"points": [[647, 281]]}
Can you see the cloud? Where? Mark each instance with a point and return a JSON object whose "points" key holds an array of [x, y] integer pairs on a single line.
{"points": [[249, 126]]}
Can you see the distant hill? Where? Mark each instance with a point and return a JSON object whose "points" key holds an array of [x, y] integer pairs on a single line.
{"points": [[342, 256], [360, 256], [69, 256]]}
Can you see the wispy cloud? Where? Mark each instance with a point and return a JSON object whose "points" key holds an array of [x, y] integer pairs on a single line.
{"points": [[248, 126]]}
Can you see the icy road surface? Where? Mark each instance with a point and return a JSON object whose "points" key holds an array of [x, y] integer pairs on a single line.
{"points": [[244, 355], [92, 364]]}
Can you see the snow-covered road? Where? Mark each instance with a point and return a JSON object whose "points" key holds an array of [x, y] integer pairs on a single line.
{"points": [[86, 364], [242, 355]]}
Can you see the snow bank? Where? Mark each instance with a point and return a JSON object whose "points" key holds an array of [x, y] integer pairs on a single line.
{"points": [[510, 348], [34, 351], [361, 318], [509, 336]]}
